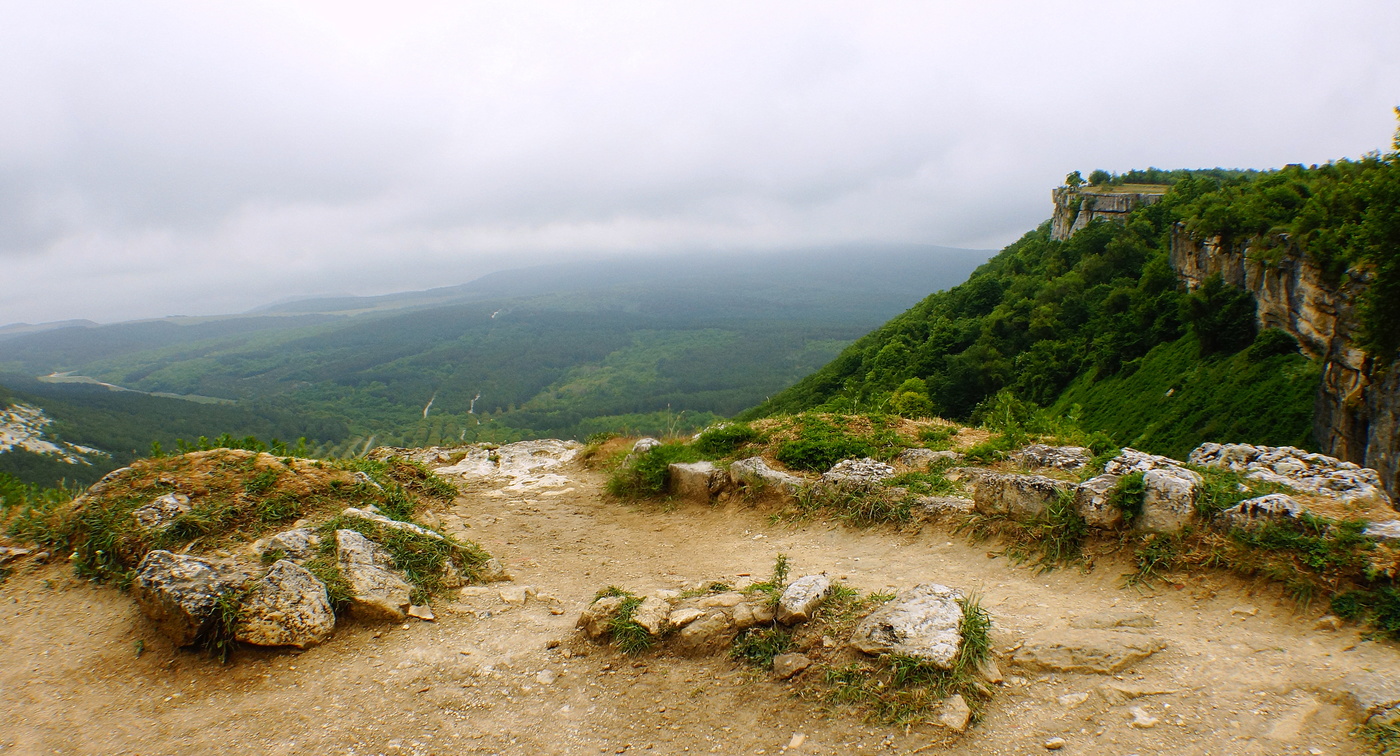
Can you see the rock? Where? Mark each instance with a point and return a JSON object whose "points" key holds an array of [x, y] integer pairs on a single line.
{"points": [[452, 576], [796, 741], [1328, 623], [710, 632], [697, 481], [923, 621], [1298, 469], [594, 620], [1097, 651], [856, 475], [1093, 500], [424, 613], [751, 614], [651, 614], [644, 445], [954, 713], [522, 466], [1054, 744], [988, 670], [923, 459], [375, 591], [514, 594], [1168, 500], [1113, 619], [1252, 513], [492, 571], [296, 545], [386, 522], [758, 476], [1131, 460], [1370, 697], [546, 677], [1244, 610], [726, 600], [1141, 719], [1386, 530], [161, 511], [787, 665], [801, 599], [11, 553], [287, 607], [938, 505], [1071, 700], [1118, 693], [1039, 456], [682, 617], [179, 593], [1020, 496]]}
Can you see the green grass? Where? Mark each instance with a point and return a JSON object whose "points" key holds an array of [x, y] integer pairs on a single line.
{"points": [[1052, 539], [422, 559], [821, 444], [626, 634], [758, 645], [645, 476], [725, 439]]}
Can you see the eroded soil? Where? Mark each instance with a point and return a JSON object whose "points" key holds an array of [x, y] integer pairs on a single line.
{"points": [[1244, 671]]}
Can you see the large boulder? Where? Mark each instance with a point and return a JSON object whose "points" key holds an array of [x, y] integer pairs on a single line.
{"points": [[1040, 456], [287, 607], [801, 599], [1020, 496], [1168, 499], [1131, 460], [924, 622], [162, 511], [1301, 470], [179, 593], [1252, 513], [856, 475], [1093, 500], [755, 474], [694, 480], [376, 592], [1086, 650]]}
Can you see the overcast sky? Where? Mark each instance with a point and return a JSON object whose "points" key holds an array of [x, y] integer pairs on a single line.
{"points": [[184, 157]]}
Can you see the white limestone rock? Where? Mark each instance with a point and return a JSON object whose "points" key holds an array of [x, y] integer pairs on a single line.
{"points": [[179, 593], [161, 511], [287, 607], [924, 622], [696, 481], [376, 592], [801, 599]]}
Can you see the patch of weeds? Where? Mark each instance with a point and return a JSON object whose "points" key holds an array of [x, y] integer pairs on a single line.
{"points": [[1158, 554], [1128, 495], [421, 558], [938, 437], [857, 506], [1221, 489], [1379, 608], [645, 476], [994, 449], [262, 482], [821, 444], [279, 508], [628, 636], [326, 569], [1384, 738], [218, 638], [897, 689], [272, 556], [1052, 538], [758, 645], [723, 440], [931, 483], [774, 586]]}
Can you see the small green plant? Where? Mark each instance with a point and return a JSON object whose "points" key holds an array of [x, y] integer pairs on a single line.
{"points": [[1384, 738], [628, 636], [758, 645], [931, 483], [1158, 554], [821, 444], [774, 586], [1053, 538], [1127, 496], [263, 481], [218, 637], [645, 476], [422, 559]]}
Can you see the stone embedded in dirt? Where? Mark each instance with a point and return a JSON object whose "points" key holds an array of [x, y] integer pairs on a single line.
{"points": [[1328, 623], [726, 600], [1299, 469], [711, 632], [1168, 499], [1141, 719], [787, 665], [1093, 500], [801, 599], [287, 607], [751, 614], [10, 553], [1054, 744], [1117, 693], [375, 591], [938, 505], [1040, 456], [1252, 513], [161, 511], [492, 571], [1386, 530], [179, 593], [695, 480], [923, 459], [924, 622], [954, 713], [683, 617], [651, 614], [1371, 697], [1021, 496], [388, 522], [296, 545], [1113, 619], [758, 476], [1071, 700], [424, 613], [594, 619], [515, 594], [1097, 651], [988, 670], [856, 475]]}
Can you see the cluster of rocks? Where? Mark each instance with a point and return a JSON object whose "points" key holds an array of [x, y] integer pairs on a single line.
{"points": [[287, 605], [1301, 470]]}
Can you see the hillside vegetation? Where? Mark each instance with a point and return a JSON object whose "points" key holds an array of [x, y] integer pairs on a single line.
{"points": [[1098, 327]]}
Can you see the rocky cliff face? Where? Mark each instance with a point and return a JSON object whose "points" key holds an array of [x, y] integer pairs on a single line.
{"points": [[1076, 208], [1357, 414]]}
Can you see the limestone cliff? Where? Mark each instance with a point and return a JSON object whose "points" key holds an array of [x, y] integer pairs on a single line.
{"points": [[1077, 207], [1357, 413]]}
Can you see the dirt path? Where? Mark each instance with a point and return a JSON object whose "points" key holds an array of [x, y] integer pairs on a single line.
{"points": [[1246, 674]]}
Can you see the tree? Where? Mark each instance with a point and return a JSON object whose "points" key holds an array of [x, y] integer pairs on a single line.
{"points": [[1099, 177], [1074, 180]]}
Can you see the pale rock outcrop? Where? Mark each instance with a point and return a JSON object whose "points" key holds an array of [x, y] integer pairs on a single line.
{"points": [[1020, 496], [1040, 456], [1093, 500], [1301, 470], [376, 592], [856, 475], [1261, 510], [297, 544], [161, 511], [1386, 530], [954, 713], [924, 622], [492, 571], [697, 481], [711, 632], [801, 599], [595, 619], [683, 617], [1113, 619], [1131, 460], [179, 593], [923, 459], [756, 474], [287, 607], [522, 466], [933, 506], [1084, 650], [387, 522], [1168, 499], [751, 614], [644, 445], [1371, 697], [651, 614], [1076, 207]]}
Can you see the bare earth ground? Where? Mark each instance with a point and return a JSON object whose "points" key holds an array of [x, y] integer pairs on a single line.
{"points": [[481, 680]]}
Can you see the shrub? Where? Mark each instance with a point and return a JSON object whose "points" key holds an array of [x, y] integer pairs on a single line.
{"points": [[1271, 342], [645, 476], [722, 440]]}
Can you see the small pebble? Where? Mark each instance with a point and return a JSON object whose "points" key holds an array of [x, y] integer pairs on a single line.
{"points": [[1054, 744]]}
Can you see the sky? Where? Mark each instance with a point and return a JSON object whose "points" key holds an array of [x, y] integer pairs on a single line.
{"points": [[164, 158]]}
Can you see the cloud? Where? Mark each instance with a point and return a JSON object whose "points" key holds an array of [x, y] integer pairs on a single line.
{"points": [[158, 157]]}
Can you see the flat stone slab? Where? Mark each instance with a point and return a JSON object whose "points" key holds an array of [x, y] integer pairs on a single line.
{"points": [[924, 621], [1083, 650], [801, 599]]}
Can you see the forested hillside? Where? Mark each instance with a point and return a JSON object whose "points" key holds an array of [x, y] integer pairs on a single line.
{"points": [[1099, 327]]}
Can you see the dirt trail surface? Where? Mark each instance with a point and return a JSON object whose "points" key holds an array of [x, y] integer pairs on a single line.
{"points": [[1241, 673]]}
